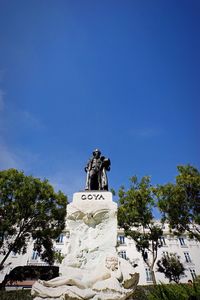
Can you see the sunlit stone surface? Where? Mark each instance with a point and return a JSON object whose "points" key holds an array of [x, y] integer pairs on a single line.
{"points": [[91, 268]]}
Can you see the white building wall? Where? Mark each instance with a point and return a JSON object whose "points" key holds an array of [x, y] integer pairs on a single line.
{"points": [[187, 249], [31, 257]]}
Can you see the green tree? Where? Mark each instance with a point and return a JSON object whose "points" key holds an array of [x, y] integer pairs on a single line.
{"points": [[180, 202], [170, 265], [22, 273], [135, 215], [58, 257], [29, 208]]}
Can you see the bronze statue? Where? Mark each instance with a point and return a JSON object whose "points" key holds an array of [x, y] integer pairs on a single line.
{"points": [[96, 172]]}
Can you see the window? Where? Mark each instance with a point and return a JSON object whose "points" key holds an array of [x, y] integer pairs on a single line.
{"points": [[121, 239], [182, 241], [162, 240], [123, 254], [59, 240], [193, 273], [148, 274], [187, 257], [35, 255]]}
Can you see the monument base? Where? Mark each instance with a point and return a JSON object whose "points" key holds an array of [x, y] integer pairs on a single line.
{"points": [[91, 268]]}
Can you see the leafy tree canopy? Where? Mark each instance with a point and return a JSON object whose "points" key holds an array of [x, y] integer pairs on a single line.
{"points": [[29, 208], [135, 215], [171, 266], [180, 202]]}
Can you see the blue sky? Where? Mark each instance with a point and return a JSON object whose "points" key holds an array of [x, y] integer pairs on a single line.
{"points": [[122, 76]]}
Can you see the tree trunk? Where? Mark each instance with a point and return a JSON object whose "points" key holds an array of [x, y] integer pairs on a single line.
{"points": [[151, 266], [3, 283], [154, 253], [4, 259], [10, 249], [153, 276]]}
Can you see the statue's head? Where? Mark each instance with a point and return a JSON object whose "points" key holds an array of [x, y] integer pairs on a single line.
{"points": [[96, 153]]}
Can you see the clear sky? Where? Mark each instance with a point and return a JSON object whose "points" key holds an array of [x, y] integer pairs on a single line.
{"points": [[121, 76]]}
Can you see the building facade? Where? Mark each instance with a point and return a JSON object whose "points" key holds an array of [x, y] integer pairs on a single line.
{"points": [[187, 249]]}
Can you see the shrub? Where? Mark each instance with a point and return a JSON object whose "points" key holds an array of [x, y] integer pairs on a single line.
{"points": [[16, 295], [174, 292]]}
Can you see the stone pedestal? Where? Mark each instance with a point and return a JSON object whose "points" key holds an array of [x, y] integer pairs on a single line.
{"points": [[91, 268]]}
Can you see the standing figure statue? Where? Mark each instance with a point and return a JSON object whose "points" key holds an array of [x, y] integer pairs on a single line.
{"points": [[96, 172]]}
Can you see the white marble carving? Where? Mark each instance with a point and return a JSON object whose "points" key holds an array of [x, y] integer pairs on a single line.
{"points": [[91, 268]]}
